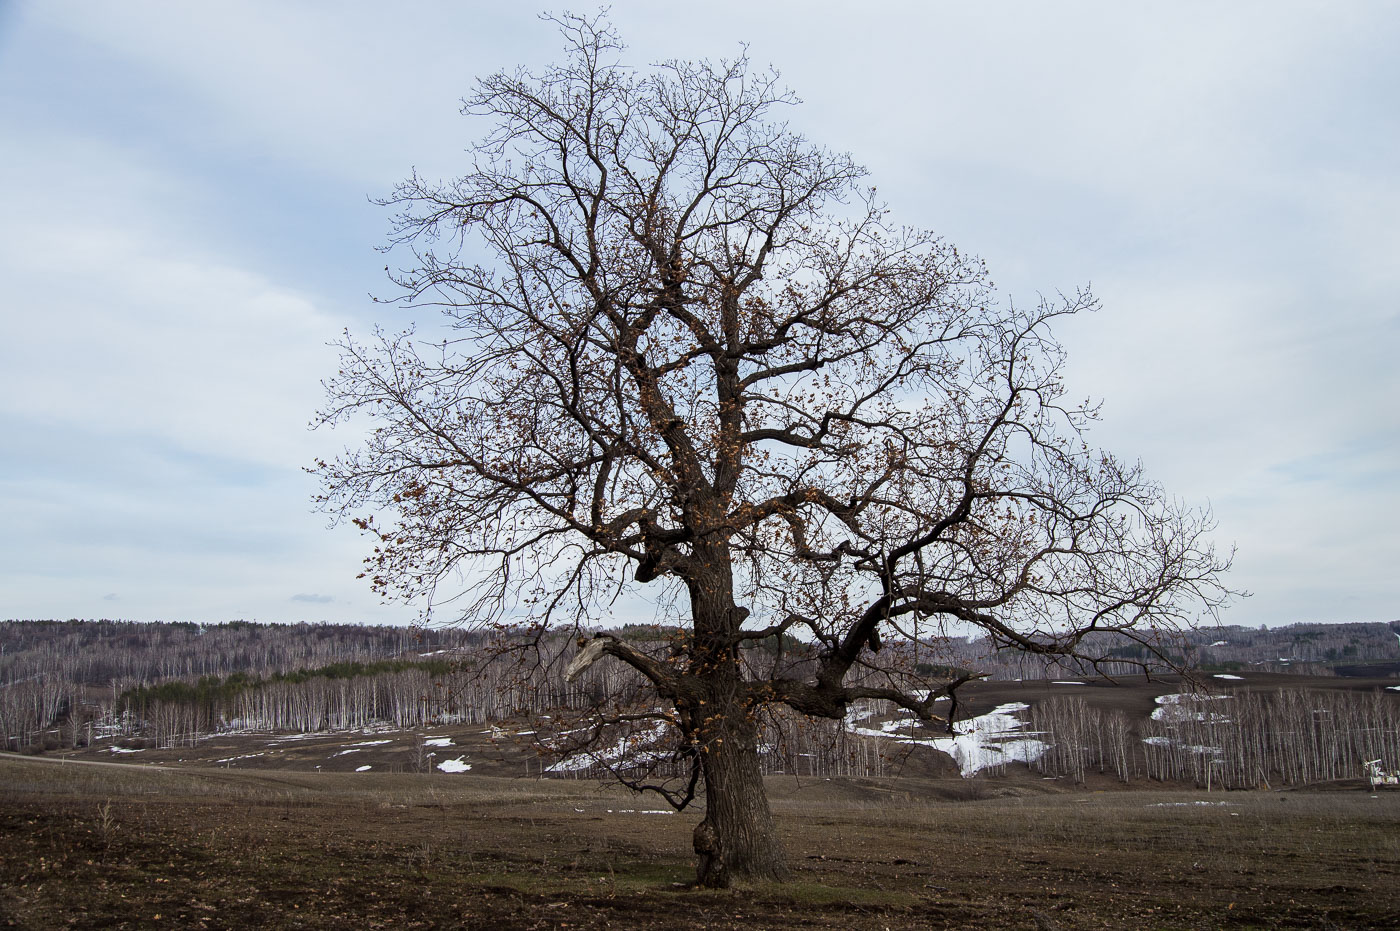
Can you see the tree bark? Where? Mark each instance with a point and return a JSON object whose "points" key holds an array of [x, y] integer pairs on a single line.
{"points": [[736, 840]]}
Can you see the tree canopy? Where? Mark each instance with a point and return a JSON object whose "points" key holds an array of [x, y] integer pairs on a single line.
{"points": [[686, 349]]}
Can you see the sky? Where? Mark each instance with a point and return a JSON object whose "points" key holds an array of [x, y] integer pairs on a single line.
{"points": [[186, 220]]}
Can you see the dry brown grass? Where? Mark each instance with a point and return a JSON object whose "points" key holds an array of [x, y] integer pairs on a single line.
{"points": [[99, 847]]}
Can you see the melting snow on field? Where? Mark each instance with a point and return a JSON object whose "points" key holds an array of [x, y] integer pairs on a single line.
{"points": [[979, 743], [438, 742], [500, 733], [361, 769], [459, 765], [989, 740], [370, 743], [633, 746], [1185, 706], [1226, 675]]}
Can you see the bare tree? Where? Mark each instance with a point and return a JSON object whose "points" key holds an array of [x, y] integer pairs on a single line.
{"points": [[684, 348]]}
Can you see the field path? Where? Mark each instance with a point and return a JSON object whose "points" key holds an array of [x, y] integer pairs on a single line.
{"points": [[66, 761]]}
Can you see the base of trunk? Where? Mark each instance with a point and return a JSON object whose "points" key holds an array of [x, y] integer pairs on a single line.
{"points": [[737, 840], [710, 871], [714, 871]]}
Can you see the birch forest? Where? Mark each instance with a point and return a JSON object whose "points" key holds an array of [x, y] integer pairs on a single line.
{"points": [[76, 683]]}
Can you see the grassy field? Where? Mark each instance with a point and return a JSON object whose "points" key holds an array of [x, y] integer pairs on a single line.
{"points": [[114, 846]]}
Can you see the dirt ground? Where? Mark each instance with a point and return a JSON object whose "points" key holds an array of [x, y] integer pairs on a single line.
{"points": [[123, 846]]}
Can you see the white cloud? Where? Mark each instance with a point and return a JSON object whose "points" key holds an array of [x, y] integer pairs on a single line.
{"points": [[350, 92], [129, 327], [156, 399], [179, 182]]}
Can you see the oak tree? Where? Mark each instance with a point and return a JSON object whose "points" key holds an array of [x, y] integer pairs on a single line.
{"points": [[683, 349]]}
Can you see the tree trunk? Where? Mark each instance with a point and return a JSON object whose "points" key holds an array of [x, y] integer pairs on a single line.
{"points": [[736, 840]]}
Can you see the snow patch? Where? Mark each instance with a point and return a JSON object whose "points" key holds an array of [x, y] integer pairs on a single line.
{"points": [[979, 743], [370, 743], [989, 740], [500, 733], [1226, 675], [459, 765], [438, 742], [855, 715], [361, 769], [1066, 682], [1177, 698], [633, 746], [1185, 706]]}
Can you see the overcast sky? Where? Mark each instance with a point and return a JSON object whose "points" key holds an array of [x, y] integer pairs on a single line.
{"points": [[185, 223]]}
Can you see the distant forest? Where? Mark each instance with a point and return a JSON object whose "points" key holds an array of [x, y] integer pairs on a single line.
{"points": [[71, 683]]}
